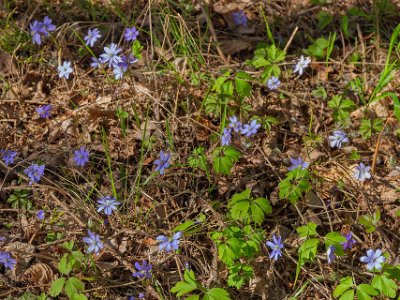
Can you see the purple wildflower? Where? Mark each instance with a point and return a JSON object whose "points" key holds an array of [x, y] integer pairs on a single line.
{"points": [[8, 156], [239, 18], [337, 139], [37, 30], [48, 25], [163, 162], [131, 34], [40, 214], [330, 254], [362, 172], [250, 129], [169, 244], [81, 156], [110, 55], [276, 247], [235, 124], [273, 83], [44, 111], [94, 243], [7, 261], [298, 163], [226, 137], [143, 270], [373, 259], [34, 172], [127, 60], [95, 62], [118, 72], [348, 244], [92, 37], [108, 204]]}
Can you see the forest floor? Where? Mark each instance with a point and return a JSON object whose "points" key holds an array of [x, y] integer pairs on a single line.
{"points": [[242, 149]]}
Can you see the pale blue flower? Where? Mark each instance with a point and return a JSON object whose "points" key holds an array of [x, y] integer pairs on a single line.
{"points": [[362, 172], [65, 69], [301, 65], [250, 129], [110, 55], [169, 244], [94, 242], [373, 259], [92, 37], [273, 83], [276, 246]]}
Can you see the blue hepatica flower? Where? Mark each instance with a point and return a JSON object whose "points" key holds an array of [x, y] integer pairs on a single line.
{"points": [[37, 30], [361, 172], [93, 242], [7, 261], [81, 156], [143, 270], [44, 111], [40, 214], [298, 163], [301, 65], [95, 62], [162, 162], [226, 137], [35, 173], [110, 55], [239, 18], [235, 124], [348, 244], [8, 156], [276, 246], [373, 259], [127, 60], [108, 204], [169, 244], [118, 72], [64, 70], [92, 36], [250, 129], [140, 296], [48, 25], [337, 139], [131, 34], [330, 254], [273, 83]]}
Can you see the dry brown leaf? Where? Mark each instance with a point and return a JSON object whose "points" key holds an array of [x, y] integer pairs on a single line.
{"points": [[39, 274], [234, 46]]}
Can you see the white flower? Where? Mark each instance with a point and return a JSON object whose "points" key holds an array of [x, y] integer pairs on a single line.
{"points": [[301, 65], [65, 70]]}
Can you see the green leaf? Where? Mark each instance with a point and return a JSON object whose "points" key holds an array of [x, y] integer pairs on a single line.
{"points": [[193, 297], [239, 204], [68, 245], [65, 266], [308, 249], [365, 291], [73, 285], [333, 238], [294, 185], [324, 19], [216, 294], [345, 284], [259, 208], [385, 285], [242, 85], [345, 25], [349, 295], [228, 252], [137, 49], [224, 159], [183, 287], [56, 287], [308, 230], [239, 274], [78, 296]]}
